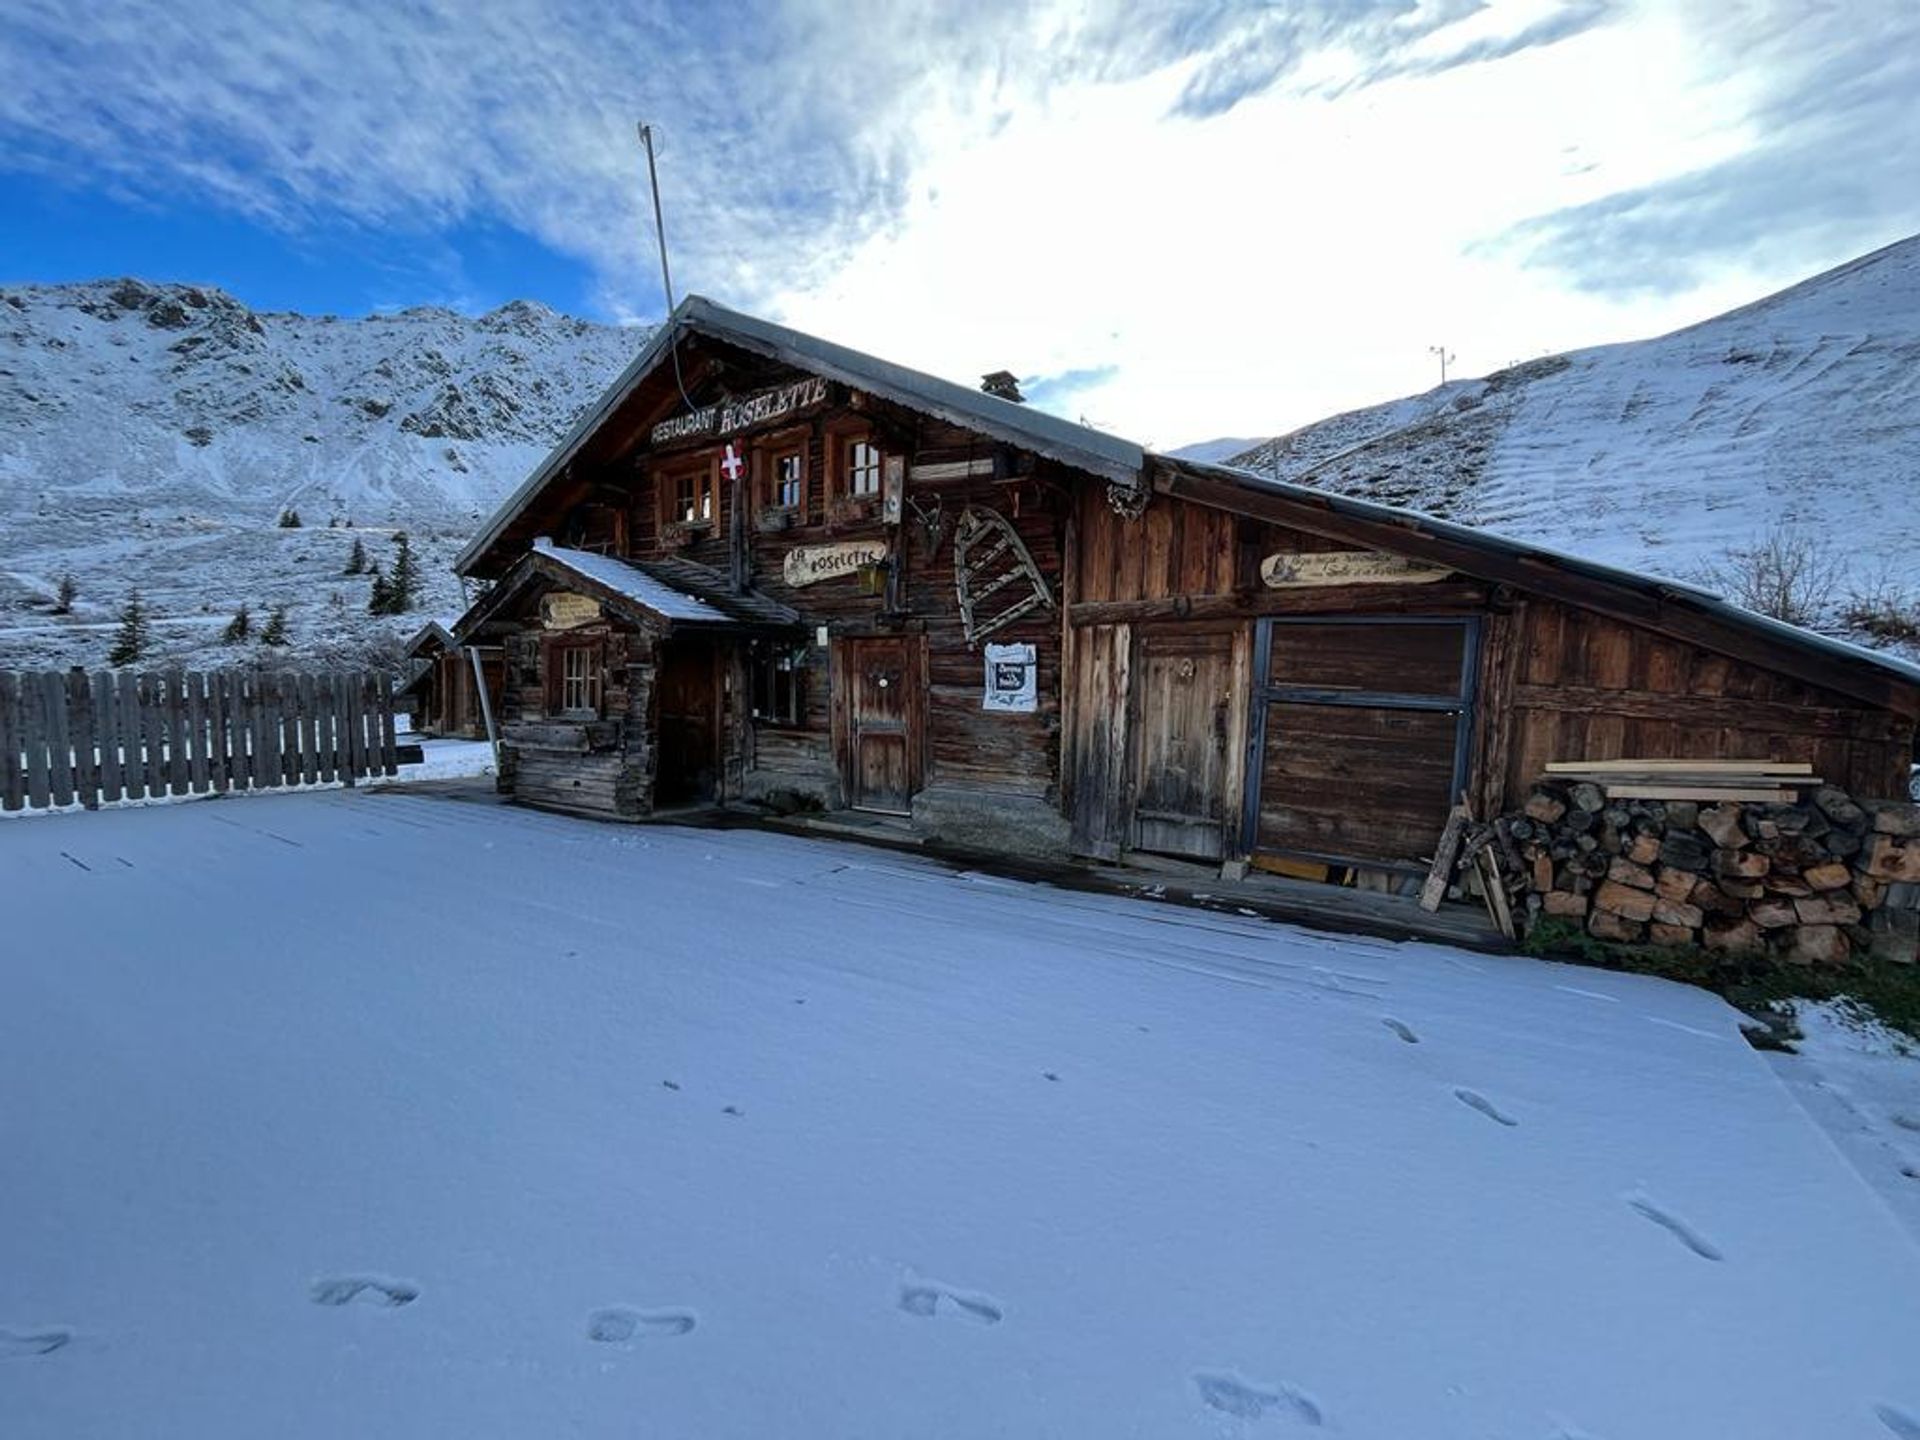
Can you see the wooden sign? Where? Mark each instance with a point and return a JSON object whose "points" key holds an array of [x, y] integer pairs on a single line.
{"points": [[1292, 568], [731, 416], [810, 563], [893, 489], [563, 611]]}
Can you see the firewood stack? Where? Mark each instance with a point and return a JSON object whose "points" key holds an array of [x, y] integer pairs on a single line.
{"points": [[1813, 878]]}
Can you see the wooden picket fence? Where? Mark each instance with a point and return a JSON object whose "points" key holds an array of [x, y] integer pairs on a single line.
{"points": [[111, 735]]}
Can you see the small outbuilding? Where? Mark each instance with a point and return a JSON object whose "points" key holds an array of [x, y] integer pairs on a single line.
{"points": [[768, 566]]}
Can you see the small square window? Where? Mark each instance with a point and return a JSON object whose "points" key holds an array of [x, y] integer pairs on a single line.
{"points": [[863, 468], [692, 497], [789, 480], [778, 689], [579, 680]]}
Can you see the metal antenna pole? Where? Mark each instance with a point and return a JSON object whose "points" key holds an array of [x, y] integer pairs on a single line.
{"points": [[666, 274], [1445, 359]]}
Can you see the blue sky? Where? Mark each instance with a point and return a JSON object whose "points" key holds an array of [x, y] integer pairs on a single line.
{"points": [[1179, 219]]}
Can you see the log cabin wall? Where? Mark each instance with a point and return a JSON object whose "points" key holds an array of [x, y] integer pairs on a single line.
{"points": [[1550, 681], [1585, 687], [965, 752]]}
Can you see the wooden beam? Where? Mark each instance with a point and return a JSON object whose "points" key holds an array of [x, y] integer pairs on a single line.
{"points": [[1668, 615], [1440, 598], [1714, 711]]}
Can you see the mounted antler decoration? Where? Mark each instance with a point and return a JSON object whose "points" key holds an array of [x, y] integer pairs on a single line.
{"points": [[988, 557], [1129, 502], [933, 521]]}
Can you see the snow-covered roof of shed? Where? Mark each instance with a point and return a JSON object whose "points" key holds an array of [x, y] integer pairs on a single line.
{"points": [[631, 583], [1080, 446]]}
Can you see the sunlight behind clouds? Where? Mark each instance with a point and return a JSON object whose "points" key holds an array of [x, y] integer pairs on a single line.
{"points": [[1191, 218]]}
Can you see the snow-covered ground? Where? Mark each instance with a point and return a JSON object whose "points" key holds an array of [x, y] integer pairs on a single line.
{"points": [[387, 1114]]}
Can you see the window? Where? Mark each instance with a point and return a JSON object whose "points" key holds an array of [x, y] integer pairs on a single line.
{"points": [[579, 680], [789, 480], [690, 496], [778, 692], [863, 468]]}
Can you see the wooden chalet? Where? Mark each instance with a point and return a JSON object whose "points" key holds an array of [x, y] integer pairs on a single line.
{"points": [[442, 695], [767, 567]]}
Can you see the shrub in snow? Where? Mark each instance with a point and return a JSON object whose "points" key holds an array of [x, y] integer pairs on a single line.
{"points": [[130, 641]]}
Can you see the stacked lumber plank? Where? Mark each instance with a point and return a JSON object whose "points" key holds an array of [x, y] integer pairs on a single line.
{"points": [[1746, 781]]}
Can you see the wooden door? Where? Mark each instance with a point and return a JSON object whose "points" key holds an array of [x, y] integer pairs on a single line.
{"points": [[1361, 733], [880, 692], [689, 725], [1183, 718]]}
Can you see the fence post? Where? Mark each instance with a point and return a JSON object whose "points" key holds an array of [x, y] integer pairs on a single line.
{"points": [[389, 761], [53, 693], [106, 734], [13, 777], [81, 726]]}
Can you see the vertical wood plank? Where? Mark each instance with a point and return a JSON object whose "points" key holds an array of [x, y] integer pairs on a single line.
{"points": [[270, 731], [353, 753], [309, 730], [13, 774], [240, 730], [82, 731], [287, 688], [33, 715], [127, 715], [383, 691], [176, 732], [323, 730], [219, 744], [153, 738], [53, 688], [106, 734], [198, 737]]}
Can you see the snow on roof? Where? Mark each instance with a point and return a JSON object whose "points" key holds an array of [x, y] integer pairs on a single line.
{"points": [[635, 585]]}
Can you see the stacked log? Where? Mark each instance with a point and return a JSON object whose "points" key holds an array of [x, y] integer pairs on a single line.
{"points": [[1823, 880]]}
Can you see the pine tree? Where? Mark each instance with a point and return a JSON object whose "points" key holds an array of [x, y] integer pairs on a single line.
{"points": [[63, 602], [289, 519], [238, 628], [380, 600], [405, 586], [276, 631], [130, 643], [357, 561]]}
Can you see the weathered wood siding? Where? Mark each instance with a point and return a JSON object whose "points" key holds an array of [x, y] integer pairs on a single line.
{"points": [[1584, 687]]}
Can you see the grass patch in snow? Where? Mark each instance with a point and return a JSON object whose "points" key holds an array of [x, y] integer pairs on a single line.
{"points": [[1757, 984]]}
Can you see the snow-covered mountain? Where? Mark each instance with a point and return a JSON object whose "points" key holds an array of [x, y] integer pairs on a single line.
{"points": [[1802, 409], [152, 435]]}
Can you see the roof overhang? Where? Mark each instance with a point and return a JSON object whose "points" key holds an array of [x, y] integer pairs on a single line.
{"points": [[1078, 446]]}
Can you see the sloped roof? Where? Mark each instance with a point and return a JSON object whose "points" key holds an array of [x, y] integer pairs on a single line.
{"points": [[678, 592], [1080, 446]]}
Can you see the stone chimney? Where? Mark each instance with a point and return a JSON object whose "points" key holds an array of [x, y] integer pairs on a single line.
{"points": [[1004, 384]]}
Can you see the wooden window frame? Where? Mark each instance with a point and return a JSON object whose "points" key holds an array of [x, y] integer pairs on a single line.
{"points": [[701, 468], [560, 651], [767, 455], [840, 440], [772, 660]]}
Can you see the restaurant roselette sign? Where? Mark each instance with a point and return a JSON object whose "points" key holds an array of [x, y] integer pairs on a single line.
{"points": [[1344, 567], [731, 416], [808, 563]]}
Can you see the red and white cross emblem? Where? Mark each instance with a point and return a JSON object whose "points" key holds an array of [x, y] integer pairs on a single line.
{"points": [[732, 465]]}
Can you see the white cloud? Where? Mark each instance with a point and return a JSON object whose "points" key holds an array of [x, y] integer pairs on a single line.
{"points": [[1242, 218]]}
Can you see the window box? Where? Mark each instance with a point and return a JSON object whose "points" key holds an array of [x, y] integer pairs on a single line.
{"points": [[846, 510], [774, 518], [682, 533]]}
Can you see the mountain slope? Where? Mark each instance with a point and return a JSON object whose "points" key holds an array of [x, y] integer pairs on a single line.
{"points": [[151, 436], [1801, 409]]}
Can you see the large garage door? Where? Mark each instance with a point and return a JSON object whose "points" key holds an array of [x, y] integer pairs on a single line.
{"points": [[1360, 733]]}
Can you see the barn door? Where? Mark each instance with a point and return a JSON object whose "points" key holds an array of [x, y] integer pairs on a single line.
{"points": [[1183, 688], [1359, 737], [880, 685]]}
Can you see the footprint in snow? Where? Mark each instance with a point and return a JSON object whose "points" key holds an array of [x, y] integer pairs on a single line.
{"points": [[622, 1325], [1680, 1230], [1400, 1028], [1246, 1399], [25, 1344], [927, 1299], [368, 1289], [1474, 1100]]}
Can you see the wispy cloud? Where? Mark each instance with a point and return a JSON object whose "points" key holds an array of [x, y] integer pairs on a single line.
{"points": [[1196, 215], [1833, 151]]}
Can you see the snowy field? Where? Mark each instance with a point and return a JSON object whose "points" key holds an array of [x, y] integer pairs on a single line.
{"points": [[389, 1114]]}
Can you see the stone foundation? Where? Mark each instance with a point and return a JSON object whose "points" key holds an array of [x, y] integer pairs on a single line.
{"points": [[1820, 882], [989, 820]]}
